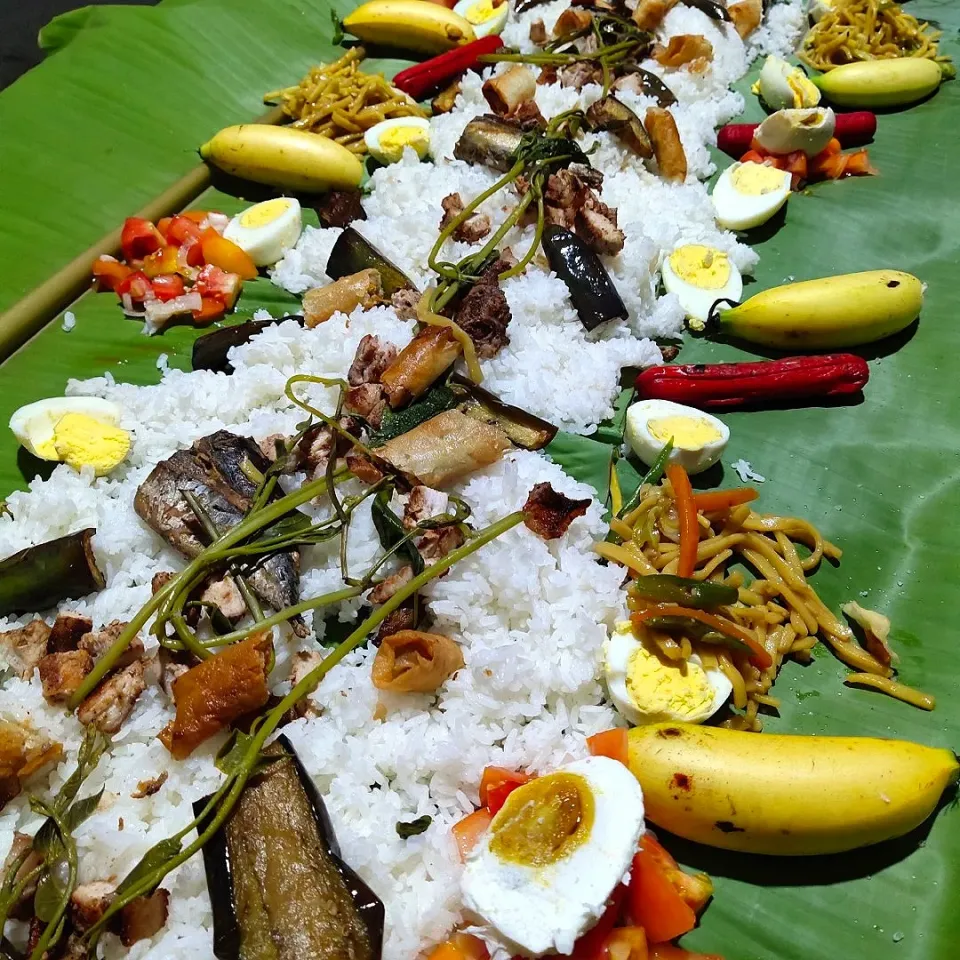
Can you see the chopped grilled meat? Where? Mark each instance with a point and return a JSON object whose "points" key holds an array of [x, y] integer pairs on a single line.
{"points": [[89, 902], [75, 948], [424, 503], [361, 467], [549, 513], [472, 229], [25, 647], [67, 630], [142, 918], [538, 32], [274, 447], [436, 543], [62, 673], [373, 356], [527, 116], [110, 703], [405, 303], [403, 618], [384, 590], [548, 74], [446, 99], [170, 670], [572, 204], [97, 642], [580, 73], [669, 353], [303, 663], [597, 224], [224, 594], [212, 469], [147, 788], [484, 314], [590, 176], [367, 400], [159, 581], [22, 842], [340, 208], [23, 753]]}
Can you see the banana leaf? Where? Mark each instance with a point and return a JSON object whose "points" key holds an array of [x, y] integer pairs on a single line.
{"points": [[115, 115]]}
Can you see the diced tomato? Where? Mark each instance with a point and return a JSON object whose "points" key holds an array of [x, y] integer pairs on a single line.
{"points": [[138, 238], [217, 283], [161, 261], [614, 744], [109, 272], [668, 951], [858, 164], [833, 146], [797, 163], [653, 901], [181, 229], [695, 888], [497, 783], [168, 285], [225, 254], [197, 216], [163, 224], [593, 944], [461, 946], [468, 831], [138, 285], [212, 309], [627, 943], [753, 156]]}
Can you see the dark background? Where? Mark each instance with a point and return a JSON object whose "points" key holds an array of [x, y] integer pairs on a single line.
{"points": [[20, 20]]}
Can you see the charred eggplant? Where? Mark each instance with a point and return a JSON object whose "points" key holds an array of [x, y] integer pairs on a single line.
{"points": [[522, 428], [41, 576], [353, 253], [489, 141], [714, 10], [591, 290], [608, 113], [645, 83], [210, 351], [278, 886]]}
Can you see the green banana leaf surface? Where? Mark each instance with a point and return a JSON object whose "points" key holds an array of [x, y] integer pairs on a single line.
{"points": [[115, 115]]}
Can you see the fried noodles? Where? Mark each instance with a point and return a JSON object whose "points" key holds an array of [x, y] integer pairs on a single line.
{"points": [[779, 610]]}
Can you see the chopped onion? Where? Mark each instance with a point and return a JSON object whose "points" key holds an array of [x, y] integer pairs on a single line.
{"points": [[159, 312], [128, 310], [218, 221]]}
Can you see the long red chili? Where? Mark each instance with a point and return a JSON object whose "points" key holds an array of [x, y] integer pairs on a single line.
{"points": [[852, 130], [759, 383], [431, 75]]}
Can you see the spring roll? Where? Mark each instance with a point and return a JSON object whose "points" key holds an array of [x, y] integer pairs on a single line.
{"points": [[419, 364], [667, 148], [507, 91], [361, 289]]}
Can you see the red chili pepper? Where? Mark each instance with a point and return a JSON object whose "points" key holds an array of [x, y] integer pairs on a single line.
{"points": [[852, 129], [424, 78], [762, 382]]}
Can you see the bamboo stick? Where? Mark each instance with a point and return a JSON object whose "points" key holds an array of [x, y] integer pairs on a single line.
{"points": [[33, 312]]}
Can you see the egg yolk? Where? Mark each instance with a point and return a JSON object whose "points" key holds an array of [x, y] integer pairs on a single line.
{"points": [[81, 441], [687, 433], [543, 821], [264, 213], [756, 179], [395, 139], [482, 11], [701, 266], [805, 93], [657, 686]]}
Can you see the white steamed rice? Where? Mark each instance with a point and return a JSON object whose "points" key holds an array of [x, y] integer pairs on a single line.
{"points": [[530, 616]]}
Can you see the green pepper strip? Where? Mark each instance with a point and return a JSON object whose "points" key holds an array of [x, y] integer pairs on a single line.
{"points": [[653, 475], [684, 591]]}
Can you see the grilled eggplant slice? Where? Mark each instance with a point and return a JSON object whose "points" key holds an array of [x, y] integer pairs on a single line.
{"points": [[608, 113], [353, 253], [714, 10], [278, 886], [488, 141], [210, 351], [523, 429], [592, 291], [647, 83]]}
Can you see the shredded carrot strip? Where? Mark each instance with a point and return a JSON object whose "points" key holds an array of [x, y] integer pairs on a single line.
{"points": [[724, 499], [687, 515]]}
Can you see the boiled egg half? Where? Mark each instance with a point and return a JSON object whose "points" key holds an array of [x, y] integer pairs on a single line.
{"points": [[266, 231], [749, 194], [699, 276], [385, 140], [485, 16], [541, 875], [79, 431], [808, 130], [648, 688], [782, 85], [699, 439]]}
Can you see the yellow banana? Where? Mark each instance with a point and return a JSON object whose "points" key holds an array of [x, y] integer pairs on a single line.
{"points": [[841, 311], [283, 157], [785, 795], [881, 83], [409, 25]]}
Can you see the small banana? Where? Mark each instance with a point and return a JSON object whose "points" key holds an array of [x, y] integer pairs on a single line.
{"points": [[785, 795], [880, 83], [409, 25], [841, 311], [283, 157]]}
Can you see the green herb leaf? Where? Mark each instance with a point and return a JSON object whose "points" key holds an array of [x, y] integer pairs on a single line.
{"points": [[337, 37], [154, 860], [81, 810], [235, 752], [413, 828], [534, 147], [50, 893]]}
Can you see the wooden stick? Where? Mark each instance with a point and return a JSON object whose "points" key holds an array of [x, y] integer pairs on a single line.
{"points": [[33, 312]]}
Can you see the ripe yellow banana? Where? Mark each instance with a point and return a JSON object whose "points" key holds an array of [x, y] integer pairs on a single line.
{"points": [[785, 795], [283, 157], [409, 25], [841, 311], [881, 83]]}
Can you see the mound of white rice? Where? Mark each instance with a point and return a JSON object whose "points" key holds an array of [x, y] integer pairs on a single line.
{"points": [[530, 616]]}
